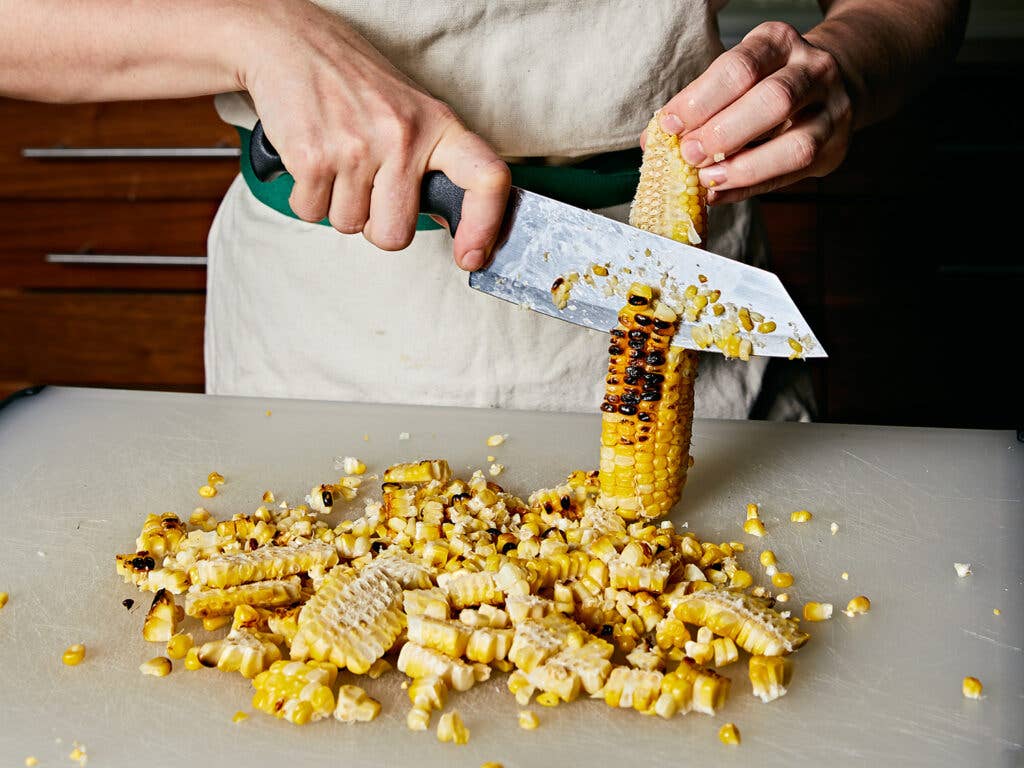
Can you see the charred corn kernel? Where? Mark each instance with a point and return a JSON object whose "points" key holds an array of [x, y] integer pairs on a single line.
{"points": [[263, 564], [450, 728], [158, 666], [74, 655], [767, 558], [800, 516], [749, 621], [782, 580], [213, 623], [207, 491], [859, 604], [243, 651], [528, 720], [161, 535], [206, 602], [296, 691], [768, 677], [192, 662], [4, 597], [972, 688], [754, 527], [239, 716], [179, 645], [741, 580], [495, 440], [729, 734], [352, 619], [354, 706], [817, 611]]}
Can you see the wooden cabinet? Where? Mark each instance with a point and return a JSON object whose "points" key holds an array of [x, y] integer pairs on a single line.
{"points": [[82, 186]]}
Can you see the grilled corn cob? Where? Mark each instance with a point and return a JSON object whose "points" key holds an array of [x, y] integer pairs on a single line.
{"points": [[140, 569], [404, 569], [161, 534], [204, 603], [243, 650], [262, 564], [352, 620], [161, 621], [354, 706], [296, 691], [748, 621], [768, 677]]}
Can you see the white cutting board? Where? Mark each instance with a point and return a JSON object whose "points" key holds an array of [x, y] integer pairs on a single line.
{"points": [[79, 469]]}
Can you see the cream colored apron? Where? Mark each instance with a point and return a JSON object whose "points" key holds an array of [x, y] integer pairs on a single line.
{"points": [[299, 310]]}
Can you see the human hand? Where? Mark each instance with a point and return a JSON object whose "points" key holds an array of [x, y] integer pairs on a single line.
{"points": [[357, 135], [767, 113]]}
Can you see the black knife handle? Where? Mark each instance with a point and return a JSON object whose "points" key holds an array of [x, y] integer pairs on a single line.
{"points": [[439, 195]]}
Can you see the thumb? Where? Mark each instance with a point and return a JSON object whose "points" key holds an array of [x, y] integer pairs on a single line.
{"points": [[471, 163]]}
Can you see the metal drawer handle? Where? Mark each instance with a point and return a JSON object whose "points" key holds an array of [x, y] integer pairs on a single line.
{"points": [[119, 259], [117, 153]]}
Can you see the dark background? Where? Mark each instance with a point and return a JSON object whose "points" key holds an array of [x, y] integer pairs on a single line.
{"points": [[907, 261]]}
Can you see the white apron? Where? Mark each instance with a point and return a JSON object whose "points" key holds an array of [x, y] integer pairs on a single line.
{"points": [[299, 310]]}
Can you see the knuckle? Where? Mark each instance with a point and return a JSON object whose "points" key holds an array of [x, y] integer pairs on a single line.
{"points": [[780, 95], [779, 32], [804, 149], [346, 223], [493, 176], [307, 160], [741, 69], [353, 151], [391, 239]]}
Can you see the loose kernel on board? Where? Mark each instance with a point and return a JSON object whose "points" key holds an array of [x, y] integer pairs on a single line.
{"points": [[268, 497], [834, 528], [495, 440], [782, 580], [158, 666], [845, 576], [857, 605], [963, 570], [74, 655], [4, 597], [729, 734], [754, 528], [817, 611], [31, 762], [207, 491], [767, 558], [800, 516], [239, 717], [496, 469], [996, 612], [215, 478], [972, 688], [753, 512], [528, 720]]}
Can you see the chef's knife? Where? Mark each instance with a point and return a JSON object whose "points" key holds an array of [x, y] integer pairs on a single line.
{"points": [[543, 240]]}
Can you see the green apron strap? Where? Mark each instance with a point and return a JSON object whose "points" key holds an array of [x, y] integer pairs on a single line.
{"points": [[598, 182]]}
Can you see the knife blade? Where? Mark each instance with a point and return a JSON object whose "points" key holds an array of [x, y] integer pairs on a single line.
{"points": [[543, 240]]}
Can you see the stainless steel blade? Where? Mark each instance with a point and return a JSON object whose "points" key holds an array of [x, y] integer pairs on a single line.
{"points": [[545, 239]]}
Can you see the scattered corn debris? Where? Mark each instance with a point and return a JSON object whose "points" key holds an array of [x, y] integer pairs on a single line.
{"points": [[768, 677], [528, 720], [754, 527], [817, 611], [800, 516], [451, 728], [403, 435], [495, 440], [834, 528], [239, 716], [782, 580], [350, 465], [268, 412], [972, 688], [4, 597], [718, 157], [782, 597], [78, 755], [31, 762], [857, 605], [491, 765], [729, 734], [561, 289], [963, 570], [179, 645], [207, 491], [496, 469], [215, 478], [74, 655], [268, 497], [158, 666], [354, 706], [996, 612], [767, 558], [844, 576]]}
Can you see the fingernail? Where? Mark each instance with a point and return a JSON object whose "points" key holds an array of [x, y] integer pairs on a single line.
{"points": [[670, 123], [693, 152], [473, 260], [712, 176]]}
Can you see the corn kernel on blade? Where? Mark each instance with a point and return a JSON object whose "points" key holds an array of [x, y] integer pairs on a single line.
{"points": [[544, 239]]}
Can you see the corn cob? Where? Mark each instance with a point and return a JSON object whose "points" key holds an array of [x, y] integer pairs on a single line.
{"points": [[405, 569], [245, 651], [354, 706], [262, 564], [431, 602], [204, 603], [418, 472], [748, 621], [768, 677], [474, 589], [634, 688], [567, 672], [691, 687], [352, 620], [485, 616], [636, 578], [418, 661], [448, 637], [299, 692], [536, 640], [161, 622]]}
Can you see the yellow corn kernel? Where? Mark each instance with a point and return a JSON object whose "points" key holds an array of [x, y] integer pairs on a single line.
{"points": [[418, 719], [844, 576], [495, 440], [268, 497], [729, 734], [78, 755], [766, 327], [491, 765], [745, 321], [31, 762], [768, 677], [767, 558], [741, 580], [548, 699], [215, 478], [239, 716], [528, 720], [817, 611], [299, 692], [972, 688], [451, 728], [207, 491], [782, 597], [179, 645], [4, 597], [213, 623], [995, 611], [158, 666], [782, 580], [753, 512], [797, 347], [192, 662], [800, 516], [859, 604], [73, 655], [354, 706], [754, 527]]}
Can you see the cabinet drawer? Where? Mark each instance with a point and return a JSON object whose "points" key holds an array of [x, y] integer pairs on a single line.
{"points": [[140, 128], [32, 230], [103, 339]]}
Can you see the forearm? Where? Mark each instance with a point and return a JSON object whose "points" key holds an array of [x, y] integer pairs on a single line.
{"points": [[887, 49], [101, 50]]}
